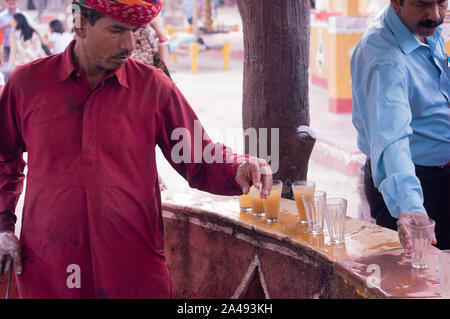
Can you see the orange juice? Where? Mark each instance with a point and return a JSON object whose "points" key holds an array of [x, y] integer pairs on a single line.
{"points": [[272, 203], [257, 202], [245, 201], [302, 188]]}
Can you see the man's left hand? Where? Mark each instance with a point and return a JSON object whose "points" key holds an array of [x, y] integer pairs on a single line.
{"points": [[403, 229], [258, 172]]}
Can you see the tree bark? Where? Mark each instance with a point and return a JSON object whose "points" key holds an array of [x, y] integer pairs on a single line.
{"points": [[207, 15], [276, 88]]}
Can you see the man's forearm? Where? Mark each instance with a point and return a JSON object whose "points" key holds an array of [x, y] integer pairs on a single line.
{"points": [[401, 189], [11, 186]]}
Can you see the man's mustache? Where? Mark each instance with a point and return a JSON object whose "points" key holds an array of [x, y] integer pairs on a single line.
{"points": [[123, 54], [431, 24]]}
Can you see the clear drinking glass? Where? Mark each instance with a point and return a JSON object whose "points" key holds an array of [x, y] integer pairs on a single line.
{"points": [[257, 202], [299, 188], [335, 211], [443, 265], [422, 232], [315, 209], [245, 202], [272, 203]]}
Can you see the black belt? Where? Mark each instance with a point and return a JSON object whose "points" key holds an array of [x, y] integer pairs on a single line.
{"points": [[433, 168], [425, 168]]}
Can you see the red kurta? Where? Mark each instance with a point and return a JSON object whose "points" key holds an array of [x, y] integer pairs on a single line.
{"points": [[92, 197]]}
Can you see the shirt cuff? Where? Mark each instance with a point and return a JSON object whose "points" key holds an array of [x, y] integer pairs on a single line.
{"points": [[402, 193]]}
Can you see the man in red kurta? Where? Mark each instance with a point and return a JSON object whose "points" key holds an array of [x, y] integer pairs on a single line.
{"points": [[90, 119]]}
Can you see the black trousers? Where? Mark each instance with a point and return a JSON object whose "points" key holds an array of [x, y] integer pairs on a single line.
{"points": [[435, 182]]}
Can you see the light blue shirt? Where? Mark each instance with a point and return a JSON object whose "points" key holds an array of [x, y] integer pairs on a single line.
{"points": [[401, 111]]}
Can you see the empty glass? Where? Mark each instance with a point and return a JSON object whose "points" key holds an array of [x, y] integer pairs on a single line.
{"points": [[335, 211], [422, 233], [315, 207], [443, 265]]}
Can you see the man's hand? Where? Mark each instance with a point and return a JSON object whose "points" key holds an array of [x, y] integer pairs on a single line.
{"points": [[10, 245], [258, 172], [403, 231]]}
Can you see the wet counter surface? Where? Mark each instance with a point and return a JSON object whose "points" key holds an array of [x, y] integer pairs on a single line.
{"points": [[371, 255]]}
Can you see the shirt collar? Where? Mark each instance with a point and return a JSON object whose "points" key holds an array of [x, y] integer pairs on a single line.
{"points": [[68, 67], [407, 40]]}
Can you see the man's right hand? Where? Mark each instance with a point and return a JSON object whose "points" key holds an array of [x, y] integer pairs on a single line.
{"points": [[10, 245], [403, 229]]}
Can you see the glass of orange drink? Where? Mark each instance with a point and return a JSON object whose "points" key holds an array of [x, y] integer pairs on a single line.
{"points": [[272, 203], [245, 202], [257, 202], [301, 188]]}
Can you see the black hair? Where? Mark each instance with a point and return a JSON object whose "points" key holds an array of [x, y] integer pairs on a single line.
{"points": [[91, 14], [26, 31], [57, 26]]}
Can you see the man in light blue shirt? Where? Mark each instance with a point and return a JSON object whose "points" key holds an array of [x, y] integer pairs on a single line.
{"points": [[401, 94]]}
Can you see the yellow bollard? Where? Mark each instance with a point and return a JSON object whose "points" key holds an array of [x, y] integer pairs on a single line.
{"points": [[189, 30], [174, 57], [226, 55], [169, 30], [193, 52]]}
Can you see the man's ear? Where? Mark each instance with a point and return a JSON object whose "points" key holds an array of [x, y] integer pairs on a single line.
{"points": [[396, 4], [79, 25]]}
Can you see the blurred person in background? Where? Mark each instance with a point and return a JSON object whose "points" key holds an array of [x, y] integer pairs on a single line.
{"points": [[6, 18], [188, 8], [153, 50], [25, 43], [58, 39]]}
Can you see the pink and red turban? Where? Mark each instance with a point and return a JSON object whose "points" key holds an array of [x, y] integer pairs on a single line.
{"points": [[133, 12]]}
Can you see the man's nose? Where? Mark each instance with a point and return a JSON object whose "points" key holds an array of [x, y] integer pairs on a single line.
{"points": [[128, 41], [434, 13]]}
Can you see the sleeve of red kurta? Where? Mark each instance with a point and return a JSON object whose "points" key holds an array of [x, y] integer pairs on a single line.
{"points": [[12, 164], [206, 166]]}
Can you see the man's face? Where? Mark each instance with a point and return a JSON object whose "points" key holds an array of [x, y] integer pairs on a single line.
{"points": [[422, 17], [11, 5], [109, 43]]}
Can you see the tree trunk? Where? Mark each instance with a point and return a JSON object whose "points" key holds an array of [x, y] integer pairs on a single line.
{"points": [[275, 95], [207, 15]]}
